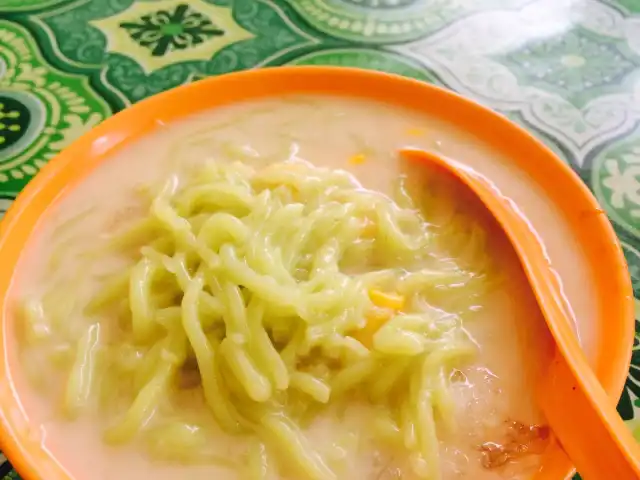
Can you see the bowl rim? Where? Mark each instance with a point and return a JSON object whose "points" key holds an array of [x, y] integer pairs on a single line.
{"points": [[559, 181]]}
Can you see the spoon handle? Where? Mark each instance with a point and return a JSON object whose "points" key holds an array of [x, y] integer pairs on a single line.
{"points": [[579, 412], [586, 424]]}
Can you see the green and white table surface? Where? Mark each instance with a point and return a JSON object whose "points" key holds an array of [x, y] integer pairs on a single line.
{"points": [[567, 70]]}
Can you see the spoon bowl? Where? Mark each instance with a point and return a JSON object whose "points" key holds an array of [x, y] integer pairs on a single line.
{"points": [[576, 406]]}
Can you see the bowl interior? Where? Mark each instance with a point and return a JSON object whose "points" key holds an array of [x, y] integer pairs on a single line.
{"points": [[585, 221]]}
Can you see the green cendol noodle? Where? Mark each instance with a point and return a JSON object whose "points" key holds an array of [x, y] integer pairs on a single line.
{"points": [[278, 293]]}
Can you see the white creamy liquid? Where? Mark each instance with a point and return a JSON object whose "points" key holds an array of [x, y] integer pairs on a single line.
{"points": [[498, 387]]}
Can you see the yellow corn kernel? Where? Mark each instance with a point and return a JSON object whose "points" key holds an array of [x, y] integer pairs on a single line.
{"points": [[370, 230], [357, 159], [415, 132], [376, 318], [386, 305], [386, 300]]}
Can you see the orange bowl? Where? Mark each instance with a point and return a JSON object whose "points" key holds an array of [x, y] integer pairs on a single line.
{"points": [[615, 319]]}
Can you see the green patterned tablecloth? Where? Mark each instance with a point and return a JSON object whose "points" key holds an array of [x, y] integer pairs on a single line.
{"points": [[567, 70]]}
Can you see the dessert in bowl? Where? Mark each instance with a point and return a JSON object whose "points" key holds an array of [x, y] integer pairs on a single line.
{"points": [[240, 278]]}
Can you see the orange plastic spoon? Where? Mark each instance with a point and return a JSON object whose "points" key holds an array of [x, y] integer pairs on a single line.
{"points": [[576, 406]]}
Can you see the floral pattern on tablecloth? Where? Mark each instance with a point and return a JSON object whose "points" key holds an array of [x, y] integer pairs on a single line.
{"points": [[567, 70]]}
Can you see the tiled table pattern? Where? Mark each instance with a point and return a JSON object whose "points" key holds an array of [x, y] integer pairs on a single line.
{"points": [[567, 70]]}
